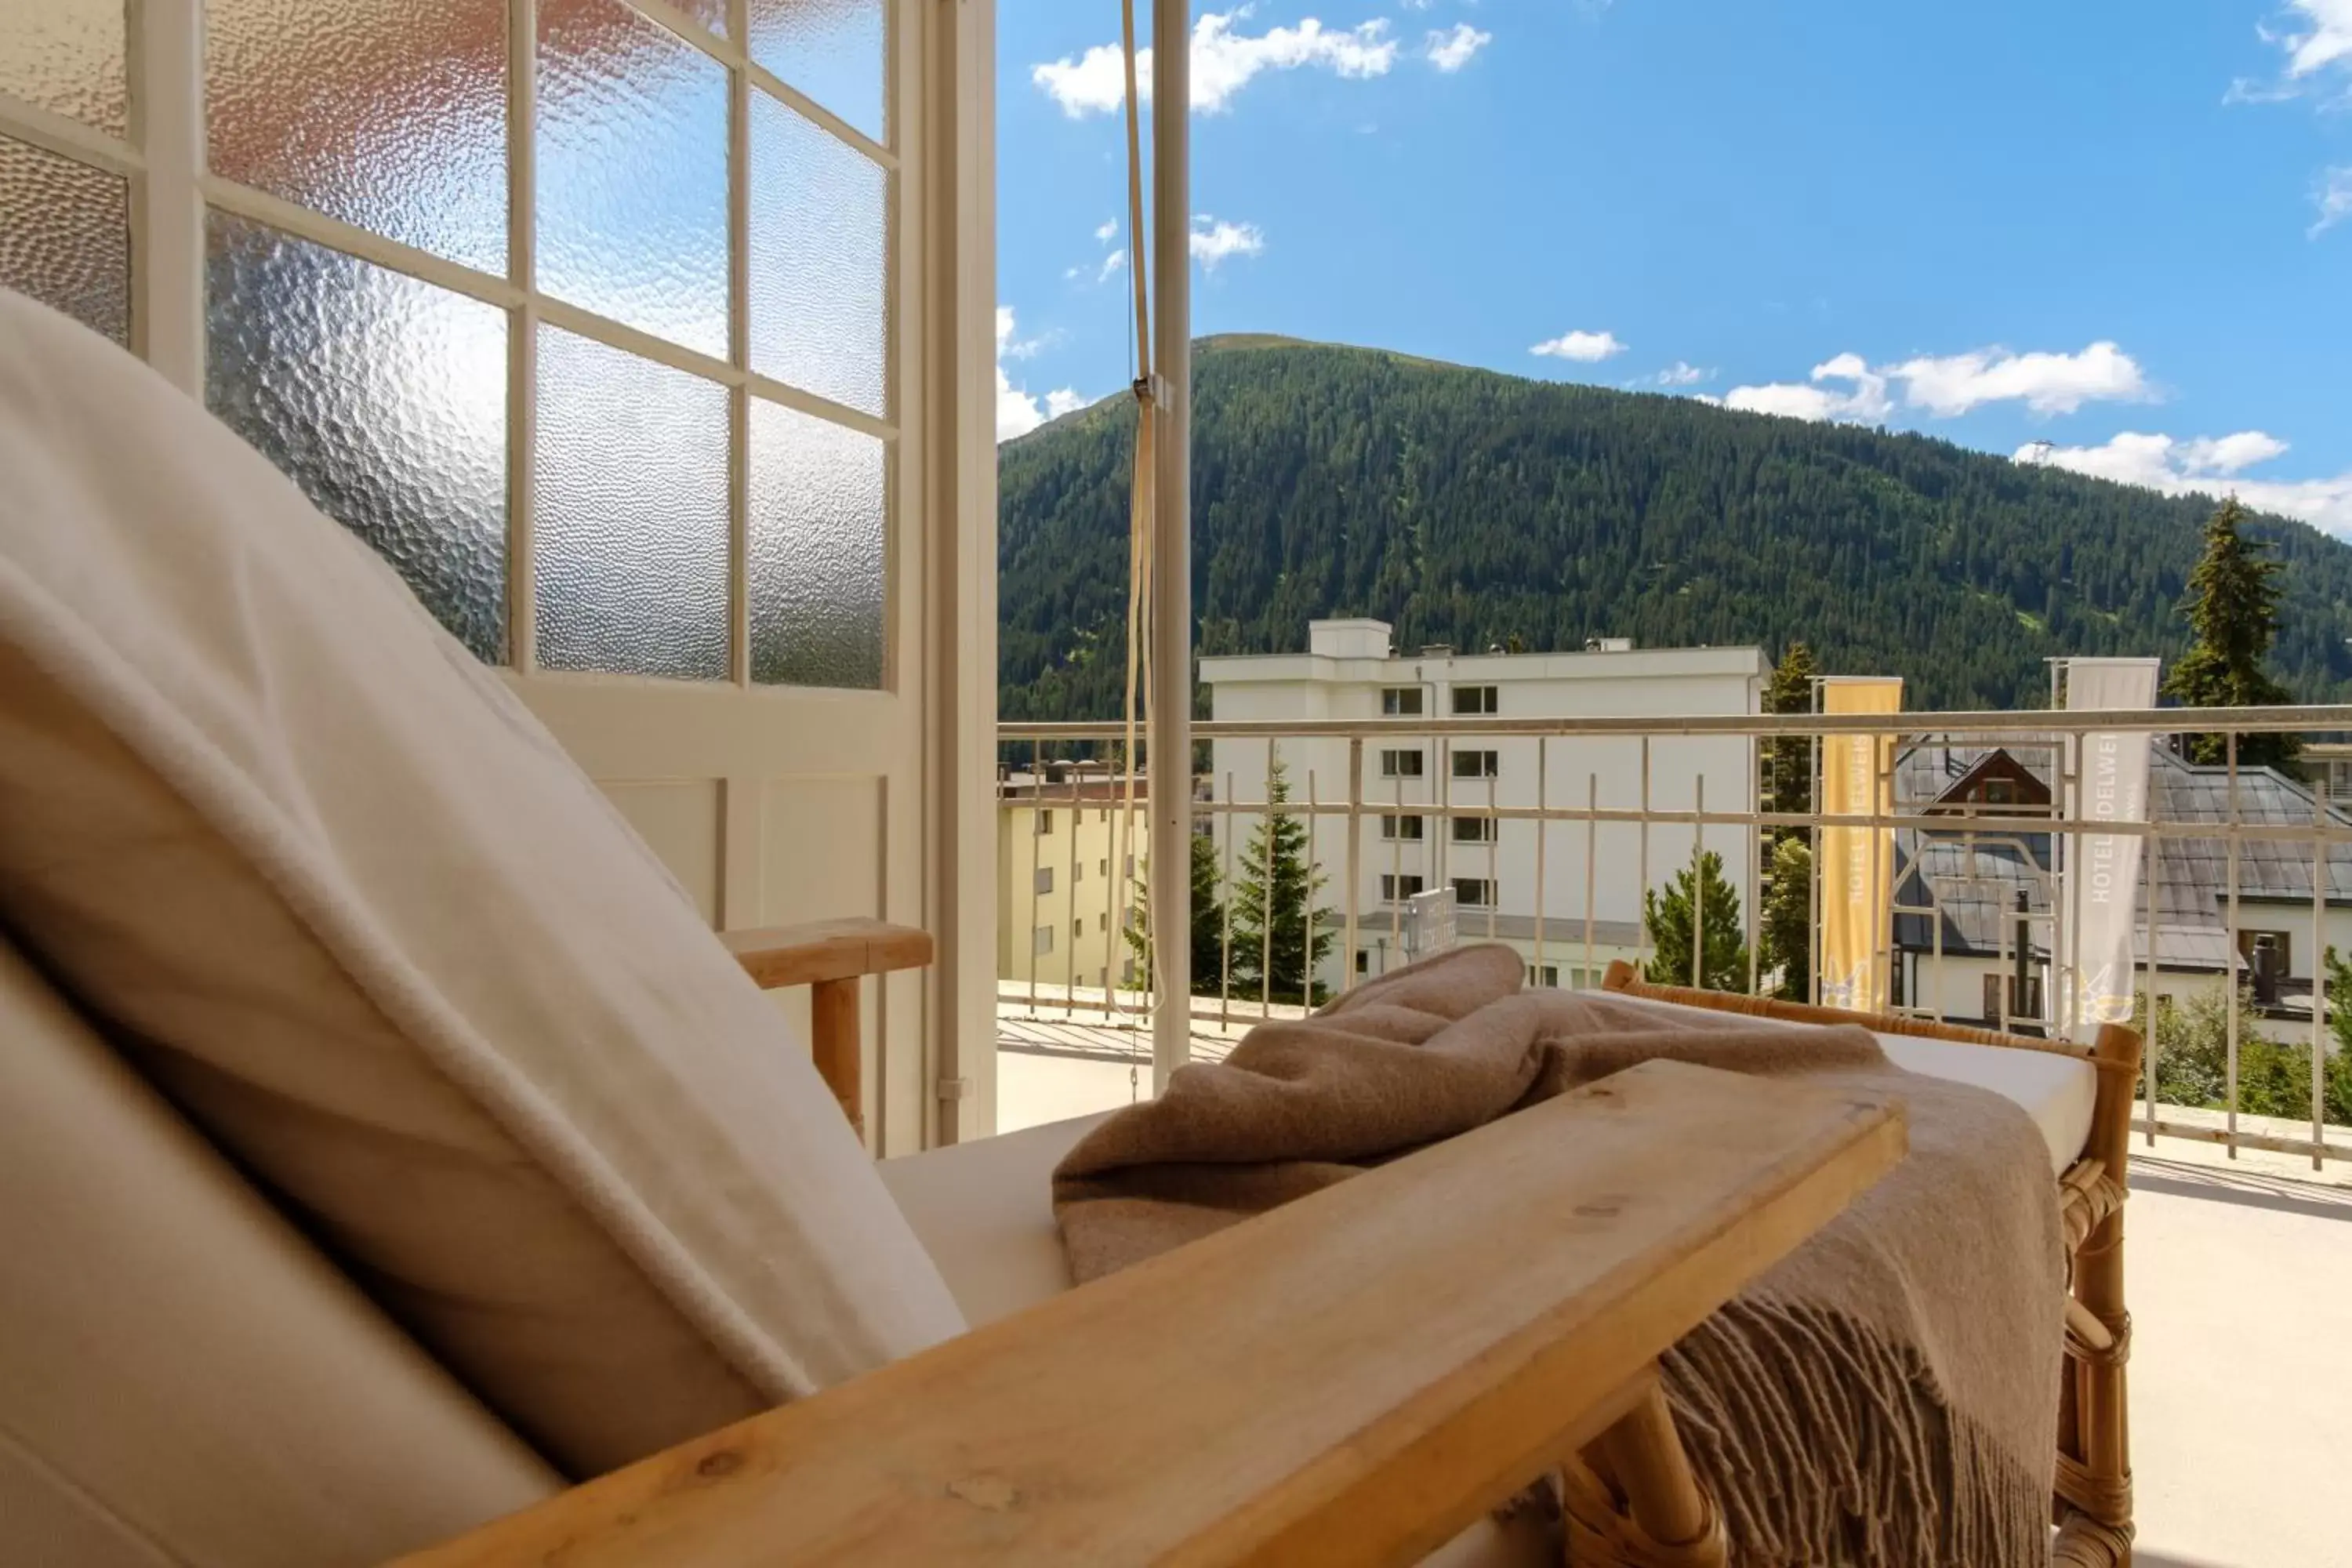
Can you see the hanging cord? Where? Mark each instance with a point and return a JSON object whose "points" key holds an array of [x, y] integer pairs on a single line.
{"points": [[1140, 509]]}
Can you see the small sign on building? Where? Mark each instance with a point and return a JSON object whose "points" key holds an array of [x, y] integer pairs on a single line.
{"points": [[1429, 923]]}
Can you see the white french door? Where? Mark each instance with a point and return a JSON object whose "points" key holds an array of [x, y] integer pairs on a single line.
{"points": [[629, 333]]}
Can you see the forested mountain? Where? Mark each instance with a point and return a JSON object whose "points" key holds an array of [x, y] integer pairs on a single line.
{"points": [[1475, 509]]}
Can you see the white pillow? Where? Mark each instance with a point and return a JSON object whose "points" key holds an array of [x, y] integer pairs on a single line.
{"points": [[348, 903]]}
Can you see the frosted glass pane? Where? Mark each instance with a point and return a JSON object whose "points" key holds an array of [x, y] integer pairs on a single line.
{"points": [[392, 118], [65, 237], [711, 14], [820, 240], [816, 550], [67, 57], [384, 397], [629, 549], [832, 50], [633, 172]]}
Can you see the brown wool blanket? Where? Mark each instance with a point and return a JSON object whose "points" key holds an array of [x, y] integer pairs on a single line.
{"points": [[1886, 1397]]}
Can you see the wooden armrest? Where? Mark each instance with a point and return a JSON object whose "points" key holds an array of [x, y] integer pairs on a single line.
{"points": [[827, 950], [1352, 1378]]}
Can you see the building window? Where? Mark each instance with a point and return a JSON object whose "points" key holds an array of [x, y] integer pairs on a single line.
{"points": [[1363, 961], [1043, 880], [1395, 890], [1078, 872], [1401, 701], [1475, 699], [1401, 764], [1475, 829], [1045, 821], [1077, 929], [1401, 827], [1102, 921], [1131, 867], [1546, 976], [1477, 765], [1475, 892], [2252, 942], [1105, 867], [1041, 941]]}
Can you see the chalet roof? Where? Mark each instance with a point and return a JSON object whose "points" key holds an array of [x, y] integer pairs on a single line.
{"points": [[1975, 880]]}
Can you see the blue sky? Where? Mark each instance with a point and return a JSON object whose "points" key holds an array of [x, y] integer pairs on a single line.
{"points": [[2122, 227]]}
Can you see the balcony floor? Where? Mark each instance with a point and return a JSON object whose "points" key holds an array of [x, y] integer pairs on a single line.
{"points": [[2239, 1275]]}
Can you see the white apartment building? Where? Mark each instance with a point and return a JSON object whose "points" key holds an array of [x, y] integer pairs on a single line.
{"points": [[1424, 795]]}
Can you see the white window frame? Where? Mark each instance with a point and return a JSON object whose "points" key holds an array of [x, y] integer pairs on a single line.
{"points": [[1041, 942], [1392, 762], [1487, 896], [1481, 762], [1401, 701], [1475, 830], [1393, 825], [1042, 879], [1391, 882]]}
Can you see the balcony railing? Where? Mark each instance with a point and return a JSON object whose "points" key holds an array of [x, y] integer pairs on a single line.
{"points": [[1565, 829]]}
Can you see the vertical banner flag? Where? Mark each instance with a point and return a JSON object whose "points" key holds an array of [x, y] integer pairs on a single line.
{"points": [[1857, 864], [2110, 784]]}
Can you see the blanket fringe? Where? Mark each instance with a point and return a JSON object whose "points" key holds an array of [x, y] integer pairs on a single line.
{"points": [[1894, 1475]]}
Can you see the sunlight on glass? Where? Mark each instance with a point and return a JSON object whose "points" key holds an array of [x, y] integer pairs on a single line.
{"points": [[630, 539], [817, 549], [832, 50], [820, 276], [633, 172], [390, 118], [383, 396]]}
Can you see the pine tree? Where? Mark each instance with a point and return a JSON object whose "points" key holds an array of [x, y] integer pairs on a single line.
{"points": [[2233, 610], [1207, 921], [1786, 938], [1699, 893], [1272, 886], [1791, 690]]}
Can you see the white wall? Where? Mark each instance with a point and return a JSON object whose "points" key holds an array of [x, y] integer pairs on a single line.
{"points": [[1558, 773]]}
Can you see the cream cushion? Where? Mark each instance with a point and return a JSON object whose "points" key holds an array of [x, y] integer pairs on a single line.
{"points": [[2059, 1092], [354, 911], [182, 1379]]}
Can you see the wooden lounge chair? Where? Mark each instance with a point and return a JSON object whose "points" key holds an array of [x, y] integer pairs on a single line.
{"points": [[2094, 1505]]}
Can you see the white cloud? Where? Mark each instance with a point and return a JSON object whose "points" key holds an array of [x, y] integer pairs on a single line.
{"points": [[1214, 240], [2228, 453], [1450, 49], [1223, 62], [1110, 266], [1017, 413], [1107, 232], [2206, 464], [2044, 382], [1864, 401], [1585, 348], [1951, 384], [1007, 346], [2321, 37], [2331, 195], [1682, 372]]}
